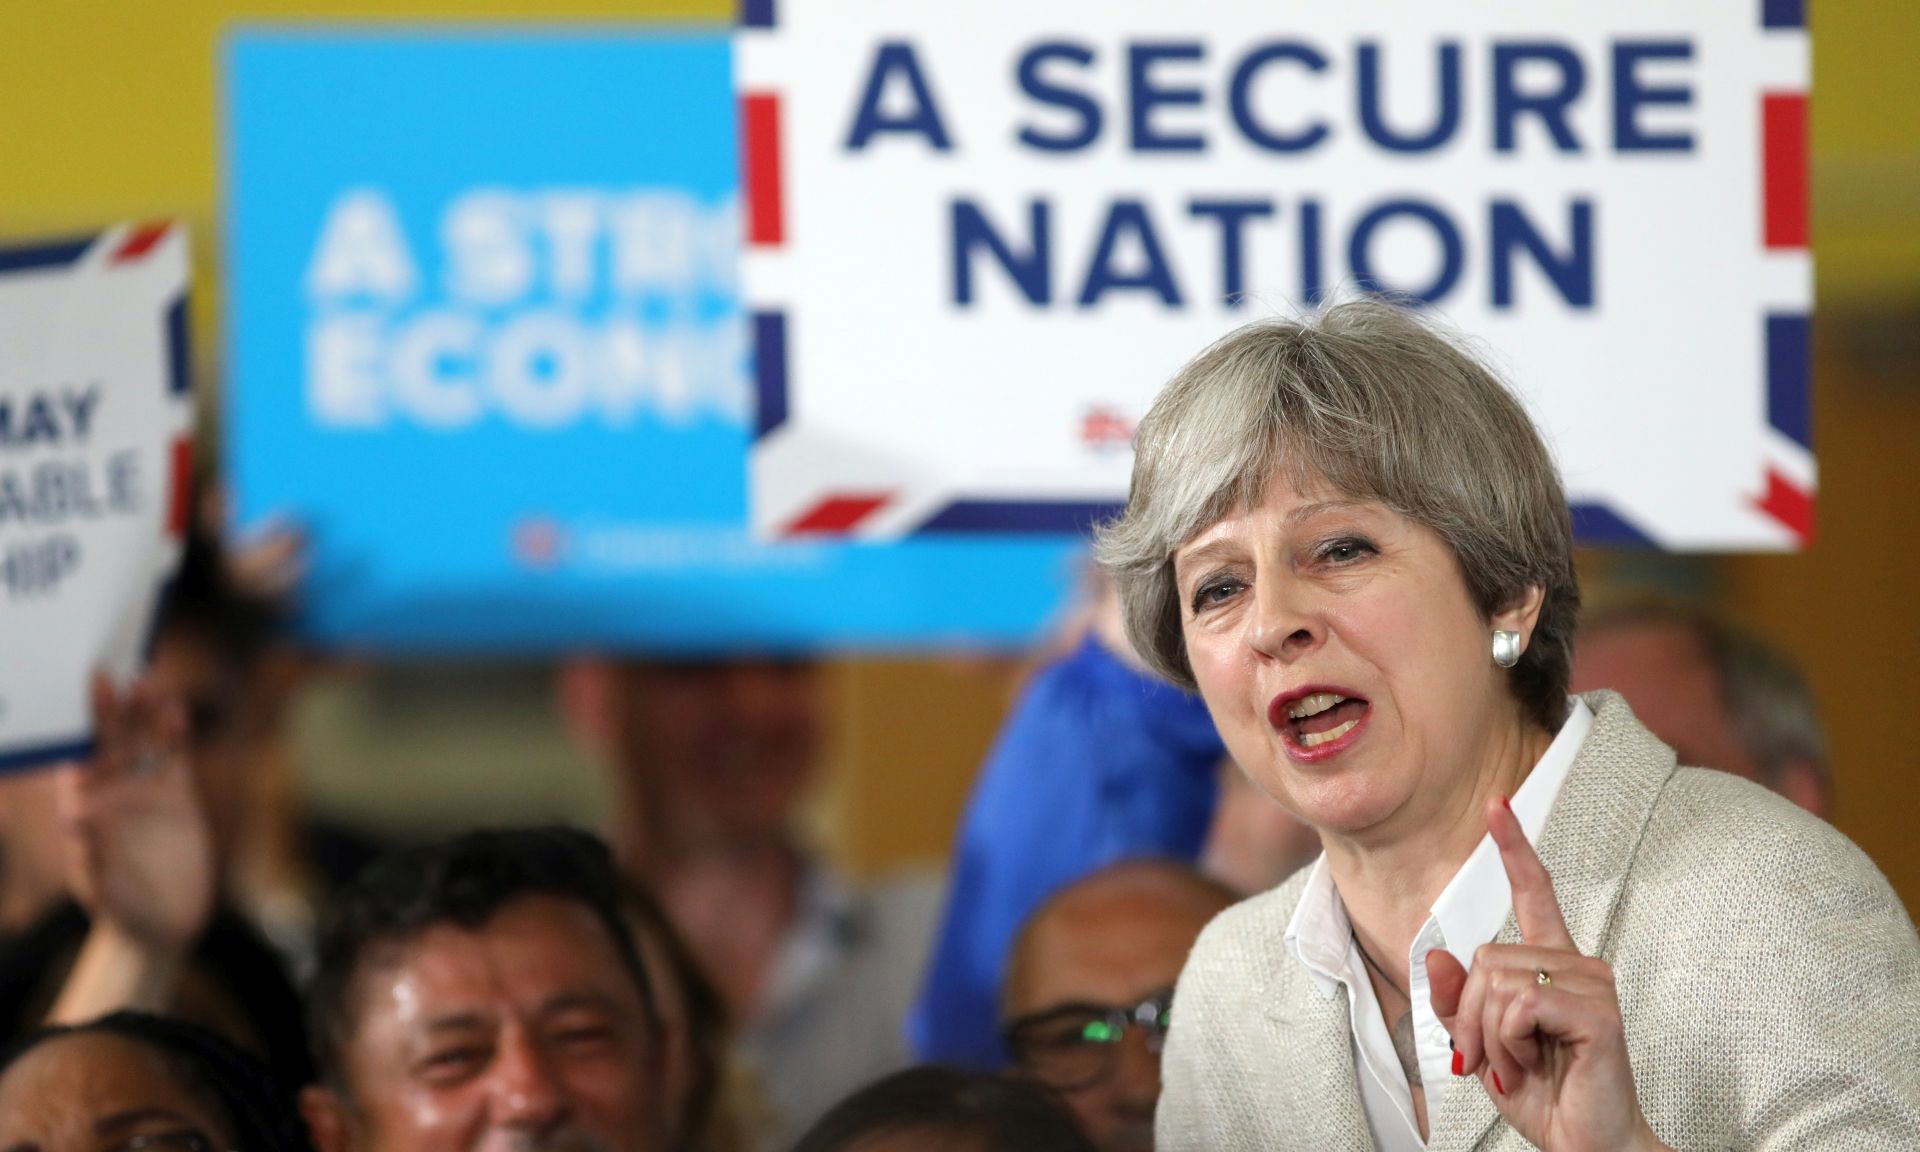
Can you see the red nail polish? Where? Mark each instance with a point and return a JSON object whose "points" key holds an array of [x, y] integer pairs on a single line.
{"points": [[1459, 1065], [1505, 803], [1497, 1086]]}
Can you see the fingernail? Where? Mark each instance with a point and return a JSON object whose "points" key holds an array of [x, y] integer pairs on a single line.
{"points": [[1497, 1086], [1505, 803], [1459, 1062]]}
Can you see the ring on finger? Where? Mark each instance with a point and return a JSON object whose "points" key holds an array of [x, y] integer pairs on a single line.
{"points": [[1542, 978]]}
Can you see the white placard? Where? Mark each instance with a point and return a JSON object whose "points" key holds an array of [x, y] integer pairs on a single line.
{"points": [[983, 236], [95, 416]]}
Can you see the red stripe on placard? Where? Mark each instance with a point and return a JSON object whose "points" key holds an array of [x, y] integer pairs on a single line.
{"points": [[760, 123], [837, 515], [1791, 505], [139, 242], [1784, 149], [179, 487]]}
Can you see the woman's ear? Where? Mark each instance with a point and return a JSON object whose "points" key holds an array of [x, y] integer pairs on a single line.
{"points": [[1521, 614]]}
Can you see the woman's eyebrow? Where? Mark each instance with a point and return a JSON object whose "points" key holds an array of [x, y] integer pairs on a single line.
{"points": [[116, 1121], [1205, 553], [22, 1147], [1308, 511]]}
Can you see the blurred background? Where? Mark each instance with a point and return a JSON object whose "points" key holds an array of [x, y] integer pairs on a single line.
{"points": [[109, 111]]}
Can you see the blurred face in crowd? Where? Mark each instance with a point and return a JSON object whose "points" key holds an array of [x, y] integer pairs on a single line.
{"points": [[1672, 688], [733, 743], [524, 1035], [1254, 843], [95, 1091], [1344, 660], [1091, 958]]}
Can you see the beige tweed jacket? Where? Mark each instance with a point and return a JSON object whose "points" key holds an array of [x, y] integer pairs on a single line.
{"points": [[1768, 976]]}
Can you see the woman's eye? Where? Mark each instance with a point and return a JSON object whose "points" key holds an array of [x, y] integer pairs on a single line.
{"points": [[1213, 592], [1345, 551]]}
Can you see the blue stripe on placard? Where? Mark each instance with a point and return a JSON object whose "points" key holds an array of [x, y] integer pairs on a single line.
{"points": [[1052, 516], [177, 374], [1595, 523], [45, 755], [55, 255], [1783, 13], [769, 371], [756, 13], [1790, 376]]}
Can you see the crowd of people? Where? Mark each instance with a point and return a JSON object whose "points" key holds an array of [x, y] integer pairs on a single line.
{"points": [[1340, 825]]}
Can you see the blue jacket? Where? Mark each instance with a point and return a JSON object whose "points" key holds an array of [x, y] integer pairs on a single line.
{"points": [[1097, 762]]}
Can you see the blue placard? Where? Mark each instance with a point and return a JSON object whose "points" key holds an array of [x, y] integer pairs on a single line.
{"points": [[487, 348]]}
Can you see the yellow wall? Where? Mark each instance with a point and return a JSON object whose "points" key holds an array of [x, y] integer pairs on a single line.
{"points": [[108, 110]]}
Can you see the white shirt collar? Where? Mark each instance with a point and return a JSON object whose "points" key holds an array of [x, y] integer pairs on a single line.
{"points": [[1474, 903], [1467, 914]]}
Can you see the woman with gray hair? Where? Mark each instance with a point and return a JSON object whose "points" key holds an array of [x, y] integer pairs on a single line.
{"points": [[1528, 927]]}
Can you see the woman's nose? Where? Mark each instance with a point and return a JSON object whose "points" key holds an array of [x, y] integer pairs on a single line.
{"points": [[1283, 625]]}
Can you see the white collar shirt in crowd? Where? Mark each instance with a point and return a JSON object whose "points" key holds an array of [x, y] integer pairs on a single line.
{"points": [[1468, 914]]}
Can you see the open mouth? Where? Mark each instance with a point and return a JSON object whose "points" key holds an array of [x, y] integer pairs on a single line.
{"points": [[1317, 718]]}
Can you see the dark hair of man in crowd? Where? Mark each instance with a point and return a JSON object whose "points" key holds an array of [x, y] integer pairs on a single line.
{"points": [[258, 1109], [463, 882], [948, 1108], [230, 954], [203, 599]]}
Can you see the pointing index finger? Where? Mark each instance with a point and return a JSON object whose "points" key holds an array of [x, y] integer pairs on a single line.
{"points": [[1534, 905]]}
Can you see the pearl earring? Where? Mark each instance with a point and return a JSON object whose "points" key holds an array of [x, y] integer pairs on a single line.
{"points": [[1506, 647]]}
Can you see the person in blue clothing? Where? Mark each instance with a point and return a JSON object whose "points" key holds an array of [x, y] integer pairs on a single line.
{"points": [[1100, 761]]}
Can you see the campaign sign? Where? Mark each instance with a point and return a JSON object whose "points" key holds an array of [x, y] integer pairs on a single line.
{"points": [[95, 461], [488, 353], [984, 235]]}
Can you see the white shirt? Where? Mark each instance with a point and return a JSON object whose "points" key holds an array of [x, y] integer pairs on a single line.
{"points": [[1468, 914]]}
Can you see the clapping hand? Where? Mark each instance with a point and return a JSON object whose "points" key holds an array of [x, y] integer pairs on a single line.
{"points": [[137, 853], [1538, 1022]]}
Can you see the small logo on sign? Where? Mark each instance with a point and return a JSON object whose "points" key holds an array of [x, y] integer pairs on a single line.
{"points": [[538, 543], [1105, 430]]}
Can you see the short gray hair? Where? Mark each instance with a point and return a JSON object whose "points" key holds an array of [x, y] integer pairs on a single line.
{"points": [[1376, 402], [1765, 697]]}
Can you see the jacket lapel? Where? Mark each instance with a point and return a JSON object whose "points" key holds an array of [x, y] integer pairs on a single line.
{"points": [[1588, 846], [1313, 1033]]}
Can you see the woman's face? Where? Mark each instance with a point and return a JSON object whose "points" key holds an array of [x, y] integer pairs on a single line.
{"points": [[1343, 659], [96, 1092]]}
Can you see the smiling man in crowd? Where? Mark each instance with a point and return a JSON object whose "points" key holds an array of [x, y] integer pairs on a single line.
{"points": [[484, 994]]}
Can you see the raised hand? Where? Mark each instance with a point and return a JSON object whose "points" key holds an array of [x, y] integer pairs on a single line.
{"points": [[1538, 1022], [137, 853], [138, 856]]}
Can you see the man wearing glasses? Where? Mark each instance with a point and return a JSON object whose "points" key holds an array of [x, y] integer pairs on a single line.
{"points": [[1090, 984]]}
